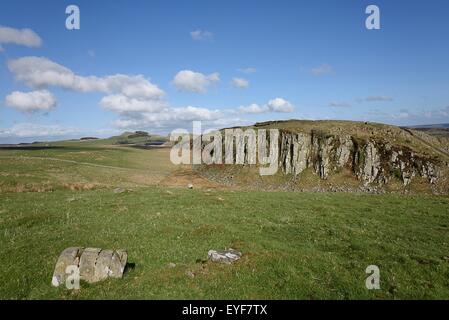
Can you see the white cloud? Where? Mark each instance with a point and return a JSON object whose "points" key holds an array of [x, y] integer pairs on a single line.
{"points": [[170, 118], [138, 103], [23, 130], [280, 105], [187, 80], [24, 37], [123, 104], [201, 35], [253, 109], [135, 99], [41, 100], [240, 83], [40, 72], [322, 70], [378, 98], [248, 70]]}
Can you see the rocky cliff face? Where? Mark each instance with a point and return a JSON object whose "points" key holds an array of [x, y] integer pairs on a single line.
{"points": [[371, 161], [341, 156]]}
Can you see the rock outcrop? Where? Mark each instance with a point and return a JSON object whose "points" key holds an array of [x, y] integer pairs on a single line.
{"points": [[371, 161]]}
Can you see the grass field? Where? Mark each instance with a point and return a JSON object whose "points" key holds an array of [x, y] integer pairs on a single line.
{"points": [[295, 245]]}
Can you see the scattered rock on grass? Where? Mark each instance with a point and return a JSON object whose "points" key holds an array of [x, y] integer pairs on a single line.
{"points": [[94, 264], [171, 265], [190, 274], [119, 190], [224, 256], [190, 186]]}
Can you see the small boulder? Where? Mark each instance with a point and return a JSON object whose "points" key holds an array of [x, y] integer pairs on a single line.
{"points": [[94, 264], [224, 256], [190, 186]]}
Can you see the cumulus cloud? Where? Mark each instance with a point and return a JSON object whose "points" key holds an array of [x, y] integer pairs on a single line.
{"points": [[172, 117], [280, 105], [253, 109], [322, 70], [187, 80], [275, 105], [40, 72], [240, 83], [378, 98], [40, 100], [137, 101], [24, 37], [199, 35], [123, 104]]}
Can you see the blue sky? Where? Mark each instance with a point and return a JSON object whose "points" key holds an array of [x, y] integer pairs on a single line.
{"points": [[223, 62]]}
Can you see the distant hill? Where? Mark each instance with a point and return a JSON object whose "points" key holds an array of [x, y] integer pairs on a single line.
{"points": [[140, 138], [137, 138], [441, 125], [437, 130]]}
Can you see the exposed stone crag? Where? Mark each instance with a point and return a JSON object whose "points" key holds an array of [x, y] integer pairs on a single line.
{"points": [[371, 161]]}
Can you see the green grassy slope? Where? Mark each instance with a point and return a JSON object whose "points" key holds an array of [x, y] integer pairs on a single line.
{"points": [[81, 165], [295, 245]]}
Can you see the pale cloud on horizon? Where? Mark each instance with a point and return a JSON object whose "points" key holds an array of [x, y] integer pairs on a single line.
{"points": [[29, 130]]}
